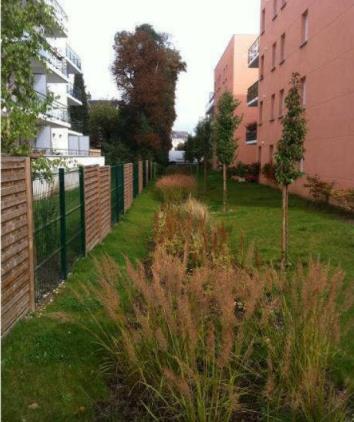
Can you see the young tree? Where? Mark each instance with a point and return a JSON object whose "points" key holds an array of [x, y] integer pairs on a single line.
{"points": [[146, 68], [24, 26], [290, 152], [79, 115], [226, 122], [205, 145]]}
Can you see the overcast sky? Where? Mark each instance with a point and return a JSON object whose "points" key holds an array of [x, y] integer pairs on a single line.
{"points": [[200, 29]]}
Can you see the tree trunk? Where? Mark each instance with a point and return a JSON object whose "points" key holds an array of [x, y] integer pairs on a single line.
{"points": [[224, 186], [284, 231], [205, 174]]}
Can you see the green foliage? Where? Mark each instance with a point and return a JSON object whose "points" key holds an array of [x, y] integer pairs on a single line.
{"points": [[268, 171], [192, 150], [103, 122], [24, 26], [290, 150], [42, 168], [79, 115], [204, 139], [226, 122], [320, 191], [146, 68]]}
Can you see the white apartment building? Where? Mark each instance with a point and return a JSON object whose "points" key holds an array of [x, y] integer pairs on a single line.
{"points": [[55, 137]]}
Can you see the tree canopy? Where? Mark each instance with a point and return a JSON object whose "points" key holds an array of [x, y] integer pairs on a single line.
{"points": [[24, 26], [290, 149], [225, 124], [79, 115], [146, 68]]}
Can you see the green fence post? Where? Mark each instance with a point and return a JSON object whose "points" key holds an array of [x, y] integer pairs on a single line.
{"points": [[117, 168], [82, 210], [63, 254]]}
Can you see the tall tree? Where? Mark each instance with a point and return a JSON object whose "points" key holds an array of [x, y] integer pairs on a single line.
{"points": [[24, 26], [146, 68], [79, 115], [290, 152], [226, 122], [204, 139]]}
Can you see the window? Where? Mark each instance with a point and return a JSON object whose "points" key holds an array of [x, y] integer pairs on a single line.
{"points": [[281, 102], [260, 112], [282, 48], [271, 153], [263, 21], [275, 8], [259, 154], [303, 91], [305, 28], [301, 166], [274, 54], [261, 69], [283, 3], [272, 104]]}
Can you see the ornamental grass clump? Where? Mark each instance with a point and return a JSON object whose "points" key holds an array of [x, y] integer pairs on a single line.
{"points": [[175, 188], [186, 231], [222, 343]]}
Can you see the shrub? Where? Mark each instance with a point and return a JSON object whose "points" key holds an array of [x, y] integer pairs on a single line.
{"points": [[176, 187], [249, 171], [320, 191], [268, 171], [185, 231], [344, 198]]}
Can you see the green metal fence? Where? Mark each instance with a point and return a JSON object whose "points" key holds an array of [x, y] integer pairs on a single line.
{"points": [[59, 221], [117, 191], [58, 217]]}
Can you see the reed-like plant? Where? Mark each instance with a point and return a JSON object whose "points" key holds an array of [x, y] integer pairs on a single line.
{"points": [[186, 231], [176, 187]]}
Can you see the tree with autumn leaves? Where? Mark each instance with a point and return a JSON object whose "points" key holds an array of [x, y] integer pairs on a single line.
{"points": [[146, 69]]}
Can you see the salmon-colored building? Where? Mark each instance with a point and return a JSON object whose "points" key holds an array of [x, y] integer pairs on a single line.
{"points": [[233, 74], [316, 39]]}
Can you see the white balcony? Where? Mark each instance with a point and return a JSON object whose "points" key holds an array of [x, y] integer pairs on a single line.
{"points": [[253, 54], [61, 30], [73, 60], [56, 116], [73, 99], [53, 65]]}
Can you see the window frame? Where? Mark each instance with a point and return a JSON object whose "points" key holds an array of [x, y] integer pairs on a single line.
{"points": [[304, 28]]}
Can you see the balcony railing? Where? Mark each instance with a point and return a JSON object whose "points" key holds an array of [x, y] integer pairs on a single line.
{"points": [[61, 151], [56, 110], [73, 57], [60, 14], [251, 134], [252, 95], [253, 54], [72, 91], [53, 59]]}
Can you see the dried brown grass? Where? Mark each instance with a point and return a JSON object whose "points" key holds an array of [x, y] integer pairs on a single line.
{"points": [[176, 187]]}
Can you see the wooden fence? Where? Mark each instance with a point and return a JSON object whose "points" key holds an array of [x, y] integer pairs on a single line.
{"points": [[17, 285], [18, 280]]}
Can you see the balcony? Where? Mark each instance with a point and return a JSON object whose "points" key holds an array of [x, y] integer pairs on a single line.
{"points": [[251, 134], [210, 104], [61, 18], [73, 60], [73, 96], [252, 95], [57, 114], [253, 55]]}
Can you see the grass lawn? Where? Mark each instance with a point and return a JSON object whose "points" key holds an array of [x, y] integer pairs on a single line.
{"points": [[51, 367]]}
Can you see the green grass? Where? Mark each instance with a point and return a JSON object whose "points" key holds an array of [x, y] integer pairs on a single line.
{"points": [[254, 212], [54, 363]]}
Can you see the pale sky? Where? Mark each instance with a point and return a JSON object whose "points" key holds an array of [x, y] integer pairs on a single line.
{"points": [[199, 29]]}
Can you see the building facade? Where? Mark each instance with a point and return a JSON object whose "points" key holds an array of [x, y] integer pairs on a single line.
{"points": [[55, 75], [316, 39], [233, 73]]}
